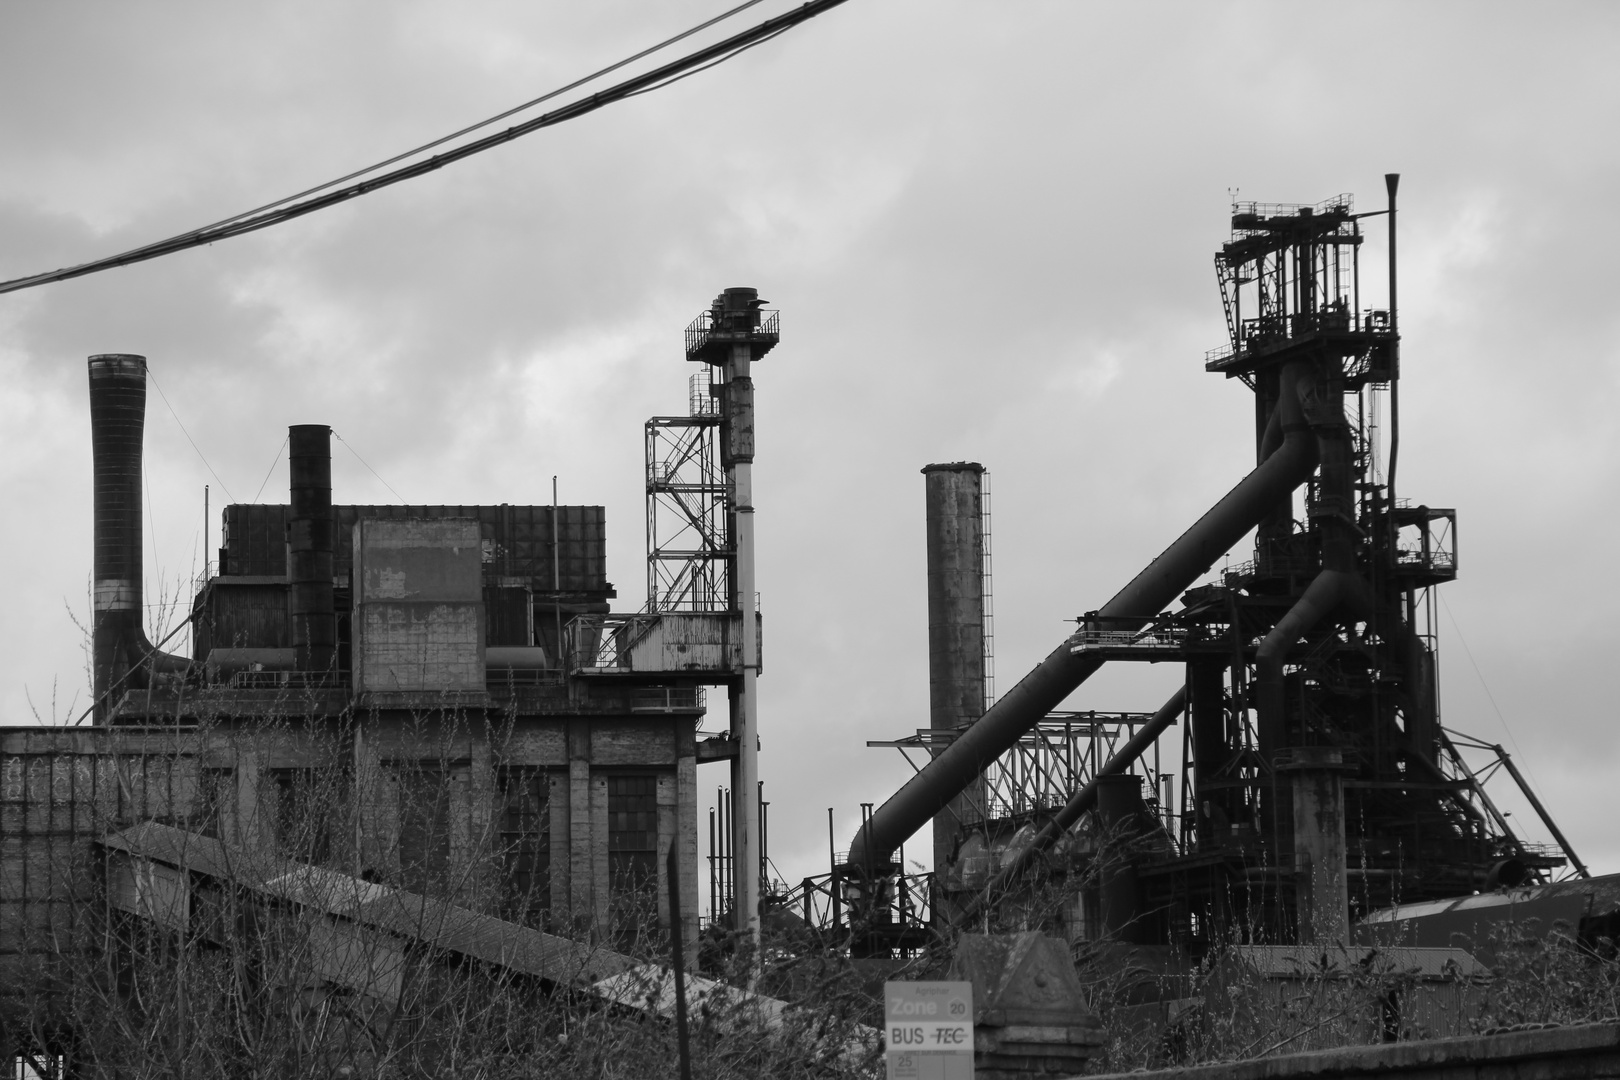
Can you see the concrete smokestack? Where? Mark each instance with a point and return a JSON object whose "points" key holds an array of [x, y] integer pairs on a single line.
{"points": [[309, 544], [121, 656], [955, 523]]}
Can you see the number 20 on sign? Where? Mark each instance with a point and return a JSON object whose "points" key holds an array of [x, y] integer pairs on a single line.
{"points": [[928, 1030]]}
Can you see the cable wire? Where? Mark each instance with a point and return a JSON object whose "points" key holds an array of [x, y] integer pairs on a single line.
{"points": [[273, 465], [470, 128], [373, 472], [253, 221], [1486, 687], [187, 434], [710, 64]]}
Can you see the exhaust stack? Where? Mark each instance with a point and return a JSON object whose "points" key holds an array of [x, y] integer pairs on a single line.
{"points": [[121, 656], [309, 542], [954, 502]]}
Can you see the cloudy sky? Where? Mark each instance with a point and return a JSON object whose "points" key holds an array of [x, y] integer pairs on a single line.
{"points": [[989, 229]]}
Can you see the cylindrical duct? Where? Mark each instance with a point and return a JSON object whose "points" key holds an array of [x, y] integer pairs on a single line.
{"points": [[309, 545], [955, 524], [119, 647]]}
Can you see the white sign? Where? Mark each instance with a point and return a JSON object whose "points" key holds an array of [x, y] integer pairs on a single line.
{"points": [[928, 1030]]}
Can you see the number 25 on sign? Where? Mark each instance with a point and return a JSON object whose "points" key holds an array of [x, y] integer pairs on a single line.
{"points": [[928, 1030]]}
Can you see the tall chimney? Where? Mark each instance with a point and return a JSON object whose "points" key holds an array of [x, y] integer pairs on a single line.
{"points": [[121, 656], [309, 567], [954, 511]]}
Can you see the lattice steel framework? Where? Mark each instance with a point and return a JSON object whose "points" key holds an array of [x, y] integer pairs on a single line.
{"points": [[1056, 758], [689, 547]]}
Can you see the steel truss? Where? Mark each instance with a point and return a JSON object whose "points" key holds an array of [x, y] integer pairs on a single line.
{"points": [[1053, 760], [689, 547]]}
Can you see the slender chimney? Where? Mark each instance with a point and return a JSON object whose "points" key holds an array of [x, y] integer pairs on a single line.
{"points": [[309, 567], [117, 421], [121, 656], [955, 523]]}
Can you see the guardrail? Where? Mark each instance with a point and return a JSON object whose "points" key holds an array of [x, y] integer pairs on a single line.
{"points": [[604, 641], [702, 329]]}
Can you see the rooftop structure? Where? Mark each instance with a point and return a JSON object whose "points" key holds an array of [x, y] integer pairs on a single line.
{"points": [[414, 701]]}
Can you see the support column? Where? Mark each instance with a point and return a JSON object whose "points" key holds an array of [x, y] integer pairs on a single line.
{"points": [[1206, 715], [1119, 807], [731, 336], [581, 865], [686, 836], [739, 438], [1316, 777]]}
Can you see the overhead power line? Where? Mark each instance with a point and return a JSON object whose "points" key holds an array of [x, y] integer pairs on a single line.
{"points": [[470, 128], [309, 201]]}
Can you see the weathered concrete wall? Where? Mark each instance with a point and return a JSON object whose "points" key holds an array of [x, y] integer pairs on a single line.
{"points": [[418, 606], [62, 789], [1586, 1052]]}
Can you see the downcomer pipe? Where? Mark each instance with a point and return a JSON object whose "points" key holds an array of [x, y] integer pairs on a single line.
{"points": [[1326, 592], [1056, 677], [122, 658]]}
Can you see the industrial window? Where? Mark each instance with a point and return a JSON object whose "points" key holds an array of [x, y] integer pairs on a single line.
{"points": [[424, 826], [307, 810], [524, 836], [215, 806], [632, 804]]}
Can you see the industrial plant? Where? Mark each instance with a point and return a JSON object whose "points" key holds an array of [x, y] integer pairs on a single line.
{"points": [[418, 729]]}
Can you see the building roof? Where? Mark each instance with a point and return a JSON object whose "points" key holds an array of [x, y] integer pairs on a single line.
{"points": [[406, 914]]}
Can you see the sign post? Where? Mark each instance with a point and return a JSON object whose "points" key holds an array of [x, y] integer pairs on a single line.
{"points": [[928, 1030]]}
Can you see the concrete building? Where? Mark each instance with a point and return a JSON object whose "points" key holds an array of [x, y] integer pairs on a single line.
{"points": [[437, 700]]}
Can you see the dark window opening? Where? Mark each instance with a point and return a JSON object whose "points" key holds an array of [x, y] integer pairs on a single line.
{"points": [[307, 812], [632, 805], [524, 835], [424, 826], [216, 792]]}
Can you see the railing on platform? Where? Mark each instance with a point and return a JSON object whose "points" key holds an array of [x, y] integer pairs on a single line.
{"points": [[603, 642], [902, 912], [289, 680]]}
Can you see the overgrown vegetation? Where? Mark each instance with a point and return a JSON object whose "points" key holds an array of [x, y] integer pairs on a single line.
{"points": [[129, 974], [127, 967]]}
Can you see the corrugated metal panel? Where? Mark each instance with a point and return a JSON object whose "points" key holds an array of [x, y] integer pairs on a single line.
{"points": [[507, 619], [518, 540]]}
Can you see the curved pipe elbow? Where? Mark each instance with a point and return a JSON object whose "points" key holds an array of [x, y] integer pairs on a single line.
{"points": [[157, 661], [1329, 590]]}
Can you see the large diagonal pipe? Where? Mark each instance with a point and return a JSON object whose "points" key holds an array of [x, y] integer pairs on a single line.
{"points": [[1056, 677]]}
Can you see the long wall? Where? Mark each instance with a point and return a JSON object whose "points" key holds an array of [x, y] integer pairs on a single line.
{"points": [[1585, 1052], [561, 820]]}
